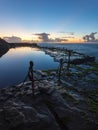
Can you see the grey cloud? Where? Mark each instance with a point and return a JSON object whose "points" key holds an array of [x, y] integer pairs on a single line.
{"points": [[90, 37], [60, 40], [44, 37], [13, 39], [69, 33], [86, 38], [61, 32]]}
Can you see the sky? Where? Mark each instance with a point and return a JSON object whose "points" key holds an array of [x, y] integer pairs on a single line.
{"points": [[49, 20]]}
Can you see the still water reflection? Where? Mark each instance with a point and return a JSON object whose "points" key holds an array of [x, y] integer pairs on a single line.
{"points": [[14, 64]]}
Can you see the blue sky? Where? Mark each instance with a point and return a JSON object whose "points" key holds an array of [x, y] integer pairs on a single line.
{"points": [[59, 18]]}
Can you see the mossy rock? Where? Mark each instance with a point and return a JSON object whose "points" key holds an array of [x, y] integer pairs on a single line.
{"points": [[69, 98], [92, 105], [49, 71]]}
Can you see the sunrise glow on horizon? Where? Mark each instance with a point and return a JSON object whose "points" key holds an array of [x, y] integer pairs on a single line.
{"points": [[64, 21]]}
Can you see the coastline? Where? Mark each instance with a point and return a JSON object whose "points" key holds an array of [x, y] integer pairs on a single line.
{"points": [[71, 104], [5, 46], [54, 106]]}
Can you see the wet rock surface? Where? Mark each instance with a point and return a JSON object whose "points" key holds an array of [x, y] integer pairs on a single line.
{"points": [[22, 111], [49, 109], [70, 103]]}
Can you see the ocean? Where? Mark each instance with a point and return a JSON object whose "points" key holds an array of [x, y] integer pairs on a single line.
{"points": [[14, 64], [90, 49]]}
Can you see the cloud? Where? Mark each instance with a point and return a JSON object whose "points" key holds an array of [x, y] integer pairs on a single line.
{"points": [[44, 37], [68, 37], [13, 39], [69, 33], [90, 37], [86, 38], [61, 32], [60, 40]]}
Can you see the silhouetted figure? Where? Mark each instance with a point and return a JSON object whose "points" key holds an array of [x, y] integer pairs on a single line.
{"points": [[30, 75]]}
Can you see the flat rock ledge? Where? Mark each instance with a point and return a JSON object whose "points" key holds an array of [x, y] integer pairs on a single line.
{"points": [[47, 110]]}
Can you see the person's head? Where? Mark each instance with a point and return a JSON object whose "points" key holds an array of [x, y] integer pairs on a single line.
{"points": [[31, 63]]}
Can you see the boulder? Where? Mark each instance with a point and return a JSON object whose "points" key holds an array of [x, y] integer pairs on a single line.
{"points": [[20, 116]]}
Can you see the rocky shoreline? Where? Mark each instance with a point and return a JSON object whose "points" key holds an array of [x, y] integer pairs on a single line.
{"points": [[65, 101], [47, 110]]}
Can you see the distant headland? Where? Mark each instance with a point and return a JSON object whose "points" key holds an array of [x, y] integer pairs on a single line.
{"points": [[5, 46]]}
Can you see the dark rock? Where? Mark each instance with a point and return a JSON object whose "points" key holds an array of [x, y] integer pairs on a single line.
{"points": [[47, 110], [67, 117], [83, 60], [4, 47], [18, 115]]}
